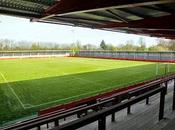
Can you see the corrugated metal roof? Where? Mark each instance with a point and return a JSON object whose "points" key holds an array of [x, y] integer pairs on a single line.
{"points": [[35, 7]]}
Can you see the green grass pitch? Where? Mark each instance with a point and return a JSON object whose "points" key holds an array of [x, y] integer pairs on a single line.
{"points": [[28, 85]]}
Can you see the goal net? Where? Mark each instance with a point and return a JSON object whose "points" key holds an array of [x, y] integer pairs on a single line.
{"points": [[162, 69]]}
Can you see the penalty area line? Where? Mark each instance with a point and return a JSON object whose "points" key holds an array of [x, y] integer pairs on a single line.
{"points": [[12, 90]]}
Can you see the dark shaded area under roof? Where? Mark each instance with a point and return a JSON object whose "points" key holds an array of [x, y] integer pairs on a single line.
{"points": [[145, 17]]}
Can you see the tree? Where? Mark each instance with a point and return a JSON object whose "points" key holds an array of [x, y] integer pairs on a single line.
{"points": [[129, 46], [111, 47], [103, 45], [55, 47], [142, 44], [162, 45], [89, 47], [35, 46], [75, 47], [171, 45], [1, 46]]}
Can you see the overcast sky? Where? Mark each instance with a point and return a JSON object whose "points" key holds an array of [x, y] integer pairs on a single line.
{"points": [[22, 29]]}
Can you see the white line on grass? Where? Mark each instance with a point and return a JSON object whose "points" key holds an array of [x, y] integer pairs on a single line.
{"points": [[89, 81], [86, 80], [12, 90], [32, 106], [100, 90], [55, 101], [102, 65], [87, 64]]}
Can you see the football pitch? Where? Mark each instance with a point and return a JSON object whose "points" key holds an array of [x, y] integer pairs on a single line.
{"points": [[28, 85]]}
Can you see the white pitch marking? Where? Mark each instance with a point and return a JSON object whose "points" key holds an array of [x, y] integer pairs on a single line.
{"points": [[56, 101], [12, 90], [89, 81]]}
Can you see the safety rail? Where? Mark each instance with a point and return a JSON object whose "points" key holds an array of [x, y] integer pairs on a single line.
{"points": [[115, 99], [34, 54], [101, 115]]}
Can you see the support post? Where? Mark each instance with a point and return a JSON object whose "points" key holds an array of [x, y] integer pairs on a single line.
{"points": [[162, 103], [147, 101], [102, 123], [129, 108], [38, 128], [174, 96], [117, 100], [78, 115], [113, 117], [166, 86], [56, 122], [85, 113], [64, 118]]}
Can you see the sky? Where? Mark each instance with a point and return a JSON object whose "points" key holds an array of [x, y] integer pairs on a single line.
{"points": [[20, 29]]}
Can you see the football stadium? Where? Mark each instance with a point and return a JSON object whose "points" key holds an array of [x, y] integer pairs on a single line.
{"points": [[88, 87]]}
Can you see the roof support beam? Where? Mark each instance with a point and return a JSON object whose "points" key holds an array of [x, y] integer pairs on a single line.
{"points": [[165, 22], [103, 16], [162, 34], [65, 7], [161, 8], [166, 9], [138, 14], [85, 21], [82, 19], [117, 16]]}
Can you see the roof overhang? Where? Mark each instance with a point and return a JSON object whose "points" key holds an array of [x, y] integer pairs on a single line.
{"points": [[145, 17]]}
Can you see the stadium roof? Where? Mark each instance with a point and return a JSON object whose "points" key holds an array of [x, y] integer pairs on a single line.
{"points": [[148, 17]]}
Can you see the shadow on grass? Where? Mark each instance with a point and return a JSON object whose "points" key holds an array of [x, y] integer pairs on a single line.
{"points": [[41, 93]]}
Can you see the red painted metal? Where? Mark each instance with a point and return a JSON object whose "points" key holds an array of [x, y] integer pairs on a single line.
{"points": [[166, 32], [163, 26], [160, 33], [158, 26]]}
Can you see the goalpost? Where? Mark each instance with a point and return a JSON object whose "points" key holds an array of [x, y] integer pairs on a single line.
{"points": [[162, 68]]}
